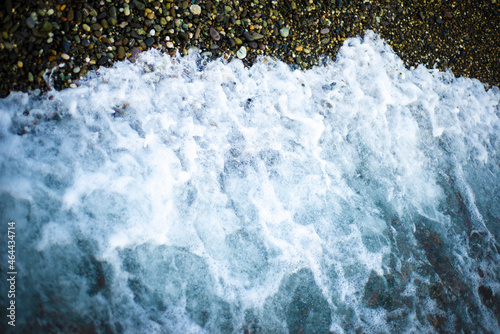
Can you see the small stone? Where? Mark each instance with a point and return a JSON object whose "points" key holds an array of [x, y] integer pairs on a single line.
{"points": [[214, 34], [65, 46], [19, 64], [195, 9], [139, 5], [85, 27], [30, 77], [126, 10], [238, 41], [47, 26], [242, 52], [121, 52], [299, 48], [438, 20], [71, 15], [149, 41], [248, 36], [170, 45], [284, 32], [76, 69], [30, 22], [324, 31], [257, 36], [253, 45], [448, 14], [64, 56], [112, 13]]}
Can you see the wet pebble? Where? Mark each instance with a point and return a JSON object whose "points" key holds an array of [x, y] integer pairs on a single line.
{"points": [[242, 52], [30, 22], [284, 32], [249, 37], [195, 9], [214, 34]]}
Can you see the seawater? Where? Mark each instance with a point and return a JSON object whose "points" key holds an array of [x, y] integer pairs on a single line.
{"points": [[186, 196]]}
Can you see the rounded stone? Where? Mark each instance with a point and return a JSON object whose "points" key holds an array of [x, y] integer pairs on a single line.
{"points": [[242, 52], [284, 32], [195, 9]]}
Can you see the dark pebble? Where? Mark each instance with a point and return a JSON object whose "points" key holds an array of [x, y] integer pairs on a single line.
{"points": [[30, 22], [103, 60], [134, 34], [112, 12], [253, 45], [248, 36], [149, 41], [183, 36], [65, 45], [71, 15], [85, 43], [139, 5], [438, 20], [102, 15], [214, 34]]}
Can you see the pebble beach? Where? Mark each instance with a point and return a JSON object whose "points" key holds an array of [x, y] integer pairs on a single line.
{"points": [[67, 39]]}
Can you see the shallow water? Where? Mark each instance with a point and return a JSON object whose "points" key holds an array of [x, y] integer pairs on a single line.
{"points": [[180, 196]]}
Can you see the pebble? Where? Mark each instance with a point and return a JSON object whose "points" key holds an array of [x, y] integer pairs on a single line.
{"points": [[195, 9], [121, 52], [65, 46], [64, 56], [257, 36], [139, 5], [249, 37], [284, 32], [47, 26], [76, 69], [19, 64], [324, 31], [71, 15], [85, 27], [242, 52], [214, 34], [30, 22]]}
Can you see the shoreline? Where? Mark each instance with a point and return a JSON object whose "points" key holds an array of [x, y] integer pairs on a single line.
{"points": [[75, 38]]}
